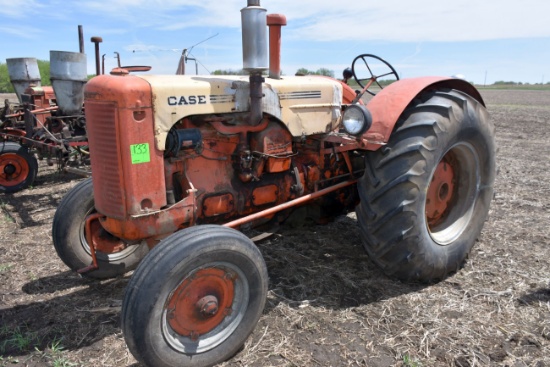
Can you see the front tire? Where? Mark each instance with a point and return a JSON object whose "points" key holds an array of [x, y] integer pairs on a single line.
{"points": [[69, 237], [425, 195], [18, 167], [195, 298]]}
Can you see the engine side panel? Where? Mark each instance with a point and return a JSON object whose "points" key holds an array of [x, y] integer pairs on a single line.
{"points": [[306, 105]]}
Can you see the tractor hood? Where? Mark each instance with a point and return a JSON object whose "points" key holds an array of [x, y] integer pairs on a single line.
{"points": [[305, 104]]}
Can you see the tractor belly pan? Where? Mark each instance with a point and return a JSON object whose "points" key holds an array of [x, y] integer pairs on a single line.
{"points": [[306, 105]]}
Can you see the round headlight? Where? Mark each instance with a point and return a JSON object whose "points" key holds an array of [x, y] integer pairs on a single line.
{"points": [[357, 119]]}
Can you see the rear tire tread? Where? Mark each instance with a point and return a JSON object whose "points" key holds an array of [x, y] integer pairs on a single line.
{"points": [[392, 191]]}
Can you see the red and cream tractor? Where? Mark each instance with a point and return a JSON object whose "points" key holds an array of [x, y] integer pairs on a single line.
{"points": [[180, 163]]}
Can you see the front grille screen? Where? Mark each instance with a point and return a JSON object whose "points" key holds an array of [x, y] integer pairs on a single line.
{"points": [[105, 156]]}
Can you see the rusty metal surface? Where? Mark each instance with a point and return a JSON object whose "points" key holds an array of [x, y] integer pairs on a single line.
{"points": [[275, 22], [233, 170], [388, 104], [265, 195], [441, 192], [201, 302], [218, 205], [154, 224], [96, 41], [274, 143], [301, 200], [102, 136], [89, 239], [124, 159]]}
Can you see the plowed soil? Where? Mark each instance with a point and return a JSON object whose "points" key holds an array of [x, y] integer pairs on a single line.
{"points": [[328, 305]]}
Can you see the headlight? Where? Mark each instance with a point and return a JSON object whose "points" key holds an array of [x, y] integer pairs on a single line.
{"points": [[357, 120]]}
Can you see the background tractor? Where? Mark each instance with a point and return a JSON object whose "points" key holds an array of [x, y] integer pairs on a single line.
{"points": [[180, 162]]}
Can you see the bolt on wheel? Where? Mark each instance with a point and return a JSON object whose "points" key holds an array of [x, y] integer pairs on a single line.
{"points": [[195, 298], [205, 308], [18, 167], [452, 193]]}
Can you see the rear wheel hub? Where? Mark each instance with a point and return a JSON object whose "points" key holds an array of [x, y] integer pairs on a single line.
{"points": [[441, 192], [452, 194]]}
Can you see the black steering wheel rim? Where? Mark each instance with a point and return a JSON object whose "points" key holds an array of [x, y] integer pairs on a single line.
{"points": [[364, 58]]}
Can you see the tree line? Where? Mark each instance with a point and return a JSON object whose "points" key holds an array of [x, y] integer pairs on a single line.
{"points": [[44, 68], [301, 71]]}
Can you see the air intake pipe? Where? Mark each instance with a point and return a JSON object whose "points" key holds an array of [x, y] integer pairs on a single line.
{"points": [[254, 33], [275, 22]]}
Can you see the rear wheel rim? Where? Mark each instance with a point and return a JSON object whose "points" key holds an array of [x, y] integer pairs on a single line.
{"points": [[205, 308], [452, 193], [14, 169]]}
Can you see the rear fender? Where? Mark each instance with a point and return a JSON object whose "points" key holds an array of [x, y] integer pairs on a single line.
{"points": [[388, 104]]}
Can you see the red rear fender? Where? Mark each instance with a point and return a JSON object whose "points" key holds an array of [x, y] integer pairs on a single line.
{"points": [[388, 104]]}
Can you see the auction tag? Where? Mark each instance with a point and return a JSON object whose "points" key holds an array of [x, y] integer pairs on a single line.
{"points": [[140, 153]]}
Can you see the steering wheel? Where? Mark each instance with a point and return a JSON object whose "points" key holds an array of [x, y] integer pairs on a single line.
{"points": [[372, 59]]}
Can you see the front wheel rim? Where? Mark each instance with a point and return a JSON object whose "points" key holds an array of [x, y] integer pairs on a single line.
{"points": [[205, 308], [452, 194], [107, 247]]}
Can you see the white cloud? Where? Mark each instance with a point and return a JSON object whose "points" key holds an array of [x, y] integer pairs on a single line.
{"points": [[169, 14], [27, 32], [325, 20], [424, 20], [19, 8]]}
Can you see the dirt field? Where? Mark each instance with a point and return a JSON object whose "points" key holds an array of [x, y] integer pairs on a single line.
{"points": [[328, 305]]}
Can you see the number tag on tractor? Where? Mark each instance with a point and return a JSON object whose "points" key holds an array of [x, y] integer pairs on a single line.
{"points": [[140, 153]]}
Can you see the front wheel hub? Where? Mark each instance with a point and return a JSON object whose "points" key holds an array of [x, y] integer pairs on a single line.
{"points": [[201, 302], [207, 306]]}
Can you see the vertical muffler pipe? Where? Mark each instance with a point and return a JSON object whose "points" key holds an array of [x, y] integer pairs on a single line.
{"points": [[97, 41], [254, 33], [81, 39], [275, 22]]}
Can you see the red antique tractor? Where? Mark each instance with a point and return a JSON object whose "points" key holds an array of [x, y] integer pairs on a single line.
{"points": [[179, 163]]}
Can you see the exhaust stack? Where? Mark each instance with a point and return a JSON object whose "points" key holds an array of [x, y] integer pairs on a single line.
{"points": [[254, 31], [68, 76], [254, 34], [23, 72]]}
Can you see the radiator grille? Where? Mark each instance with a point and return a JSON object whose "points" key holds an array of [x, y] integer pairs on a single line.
{"points": [[105, 157]]}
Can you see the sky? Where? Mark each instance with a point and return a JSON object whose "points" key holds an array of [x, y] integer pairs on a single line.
{"points": [[483, 40]]}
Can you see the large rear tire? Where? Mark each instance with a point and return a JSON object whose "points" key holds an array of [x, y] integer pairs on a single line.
{"points": [[18, 167], [425, 195], [195, 298], [69, 237]]}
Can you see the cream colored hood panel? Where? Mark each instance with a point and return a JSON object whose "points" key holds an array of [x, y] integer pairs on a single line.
{"points": [[305, 104]]}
